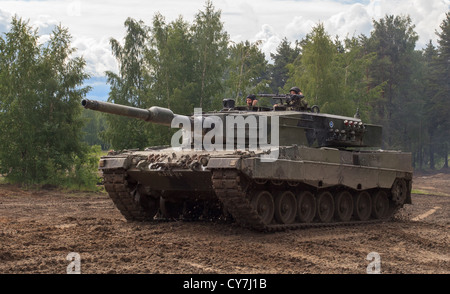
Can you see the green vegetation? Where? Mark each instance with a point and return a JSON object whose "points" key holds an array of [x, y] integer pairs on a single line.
{"points": [[423, 192], [46, 138], [41, 87]]}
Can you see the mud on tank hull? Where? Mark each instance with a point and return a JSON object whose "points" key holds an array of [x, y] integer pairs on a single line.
{"points": [[304, 187]]}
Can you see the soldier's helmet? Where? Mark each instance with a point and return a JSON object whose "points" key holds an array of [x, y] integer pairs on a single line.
{"points": [[295, 89]]}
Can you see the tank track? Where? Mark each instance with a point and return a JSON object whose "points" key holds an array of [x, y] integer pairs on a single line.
{"points": [[230, 191], [121, 193]]}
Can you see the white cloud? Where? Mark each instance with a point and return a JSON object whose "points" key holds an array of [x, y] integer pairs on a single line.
{"points": [[299, 27], [426, 15], [269, 40], [351, 22], [97, 54], [5, 19]]}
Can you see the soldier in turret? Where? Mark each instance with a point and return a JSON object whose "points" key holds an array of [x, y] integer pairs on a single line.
{"points": [[297, 100], [251, 100]]}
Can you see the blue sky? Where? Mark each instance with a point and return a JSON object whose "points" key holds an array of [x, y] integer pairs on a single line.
{"points": [[93, 22]]}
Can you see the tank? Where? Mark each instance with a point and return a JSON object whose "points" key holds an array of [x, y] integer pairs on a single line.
{"points": [[286, 166]]}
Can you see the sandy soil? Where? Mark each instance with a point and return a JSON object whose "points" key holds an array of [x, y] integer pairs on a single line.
{"points": [[38, 229]]}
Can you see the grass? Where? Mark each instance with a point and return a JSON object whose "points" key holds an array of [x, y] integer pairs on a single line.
{"points": [[423, 192]]}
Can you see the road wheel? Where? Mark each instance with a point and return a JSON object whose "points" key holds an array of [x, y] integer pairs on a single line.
{"points": [[306, 207], [363, 206], [380, 205], [399, 191], [285, 207], [325, 207], [262, 202], [344, 206]]}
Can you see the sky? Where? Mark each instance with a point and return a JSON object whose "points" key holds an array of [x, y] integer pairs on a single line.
{"points": [[92, 23]]}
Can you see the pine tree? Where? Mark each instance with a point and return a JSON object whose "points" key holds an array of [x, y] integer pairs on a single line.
{"points": [[441, 100], [284, 55], [393, 40]]}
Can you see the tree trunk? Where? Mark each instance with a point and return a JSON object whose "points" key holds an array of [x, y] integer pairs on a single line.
{"points": [[445, 155], [431, 150]]}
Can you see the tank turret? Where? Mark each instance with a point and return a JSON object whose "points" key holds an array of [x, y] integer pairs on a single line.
{"points": [[306, 127]]}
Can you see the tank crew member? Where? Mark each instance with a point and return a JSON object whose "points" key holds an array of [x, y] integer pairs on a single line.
{"points": [[297, 98], [295, 90], [251, 100]]}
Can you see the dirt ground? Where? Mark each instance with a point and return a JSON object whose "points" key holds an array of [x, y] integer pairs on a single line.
{"points": [[38, 230]]}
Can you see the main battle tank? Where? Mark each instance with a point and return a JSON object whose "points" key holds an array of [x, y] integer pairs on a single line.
{"points": [[267, 168]]}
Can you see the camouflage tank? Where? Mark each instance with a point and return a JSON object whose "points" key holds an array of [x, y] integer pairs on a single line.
{"points": [[267, 168]]}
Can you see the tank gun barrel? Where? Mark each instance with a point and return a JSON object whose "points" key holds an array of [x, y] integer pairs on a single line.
{"points": [[154, 114]]}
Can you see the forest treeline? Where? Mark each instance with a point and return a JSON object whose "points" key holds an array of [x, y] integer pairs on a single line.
{"points": [[46, 137]]}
